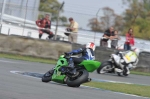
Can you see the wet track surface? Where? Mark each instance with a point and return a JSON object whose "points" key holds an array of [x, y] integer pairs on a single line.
{"points": [[22, 86]]}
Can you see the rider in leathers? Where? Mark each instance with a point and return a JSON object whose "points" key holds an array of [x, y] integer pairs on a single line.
{"points": [[87, 54]]}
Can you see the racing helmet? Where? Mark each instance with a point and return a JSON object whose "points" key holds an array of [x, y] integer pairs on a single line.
{"points": [[90, 45]]}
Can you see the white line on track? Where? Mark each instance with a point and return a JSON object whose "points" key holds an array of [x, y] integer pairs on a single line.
{"points": [[17, 72], [111, 81]]}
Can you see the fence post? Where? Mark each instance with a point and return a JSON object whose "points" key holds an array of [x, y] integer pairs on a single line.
{"points": [[58, 19], [96, 23], [2, 11], [25, 17], [8, 31], [0, 28]]}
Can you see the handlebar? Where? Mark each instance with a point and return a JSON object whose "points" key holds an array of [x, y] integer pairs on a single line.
{"points": [[68, 55]]}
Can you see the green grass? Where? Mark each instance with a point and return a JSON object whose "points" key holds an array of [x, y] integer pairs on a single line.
{"points": [[140, 73], [124, 88], [27, 58], [49, 61]]}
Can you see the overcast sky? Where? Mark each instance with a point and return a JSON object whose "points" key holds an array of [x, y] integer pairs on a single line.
{"points": [[83, 10]]}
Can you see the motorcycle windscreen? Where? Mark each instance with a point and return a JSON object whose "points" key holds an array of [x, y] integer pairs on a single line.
{"points": [[130, 57], [90, 65]]}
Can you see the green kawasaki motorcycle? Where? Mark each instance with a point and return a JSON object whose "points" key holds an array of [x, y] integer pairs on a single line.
{"points": [[72, 80]]}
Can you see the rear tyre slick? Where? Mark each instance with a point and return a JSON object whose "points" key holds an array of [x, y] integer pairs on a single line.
{"points": [[79, 79]]}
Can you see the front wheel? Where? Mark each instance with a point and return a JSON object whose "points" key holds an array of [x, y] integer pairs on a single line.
{"points": [[125, 72], [47, 76], [119, 74], [106, 67], [81, 77]]}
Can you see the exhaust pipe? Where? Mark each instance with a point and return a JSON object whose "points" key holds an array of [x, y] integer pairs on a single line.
{"points": [[88, 80]]}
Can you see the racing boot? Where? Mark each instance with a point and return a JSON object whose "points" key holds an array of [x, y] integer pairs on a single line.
{"points": [[72, 70], [127, 70], [68, 69]]}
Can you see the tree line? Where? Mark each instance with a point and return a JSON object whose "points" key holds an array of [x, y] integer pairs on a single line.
{"points": [[136, 16], [52, 7]]}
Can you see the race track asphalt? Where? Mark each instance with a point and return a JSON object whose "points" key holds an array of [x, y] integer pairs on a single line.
{"points": [[17, 86]]}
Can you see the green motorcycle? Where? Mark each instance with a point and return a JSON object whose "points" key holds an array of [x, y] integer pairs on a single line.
{"points": [[72, 80]]}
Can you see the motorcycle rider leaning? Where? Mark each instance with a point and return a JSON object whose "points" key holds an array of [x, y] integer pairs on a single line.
{"points": [[125, 63], [87, 54]]}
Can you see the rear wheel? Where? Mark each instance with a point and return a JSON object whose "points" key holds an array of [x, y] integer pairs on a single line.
{"points": [[47, 76], [81, 77], [106, 67]]}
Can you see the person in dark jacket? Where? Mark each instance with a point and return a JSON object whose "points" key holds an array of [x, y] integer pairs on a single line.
{"points": [[108, 34], [114, 40]]}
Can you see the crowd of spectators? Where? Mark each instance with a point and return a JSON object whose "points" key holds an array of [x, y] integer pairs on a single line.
{"points": [[114, 37], [72, 33]]}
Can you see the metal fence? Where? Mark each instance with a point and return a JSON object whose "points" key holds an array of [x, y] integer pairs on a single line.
{"points": [[19, 18]]}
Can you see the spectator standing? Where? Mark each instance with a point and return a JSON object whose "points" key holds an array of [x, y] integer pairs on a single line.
{"points": [[108, 34], [45, 26], [114, 40], [73, 27], [129, 40]]}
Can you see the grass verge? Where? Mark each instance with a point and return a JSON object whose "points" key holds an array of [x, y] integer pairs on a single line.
{"points": [[49, 61], [124, 88], [27, 58], [140, 73]]}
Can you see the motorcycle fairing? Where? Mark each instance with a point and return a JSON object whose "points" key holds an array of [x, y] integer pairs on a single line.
{"points": [[90, 65], [57, 76]]}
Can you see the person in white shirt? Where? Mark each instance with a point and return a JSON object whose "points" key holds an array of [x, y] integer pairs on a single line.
{"points": [[73, 27]]}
